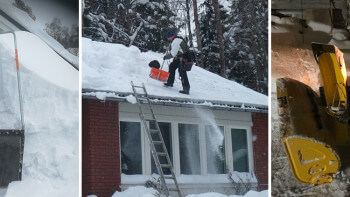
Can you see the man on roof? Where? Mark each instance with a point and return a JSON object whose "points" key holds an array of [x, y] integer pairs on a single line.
{"points": [[177, 50]]}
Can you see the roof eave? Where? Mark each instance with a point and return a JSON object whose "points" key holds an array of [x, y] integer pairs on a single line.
{"points": [[182, 102]]}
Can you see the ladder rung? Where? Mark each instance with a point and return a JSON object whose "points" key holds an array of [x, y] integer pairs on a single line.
{"points": [[150, 120], [165, 165], [141, 96], [145, 108], [161, 154], [173, 189], [135, 86], [153, 131], [157, 142]]}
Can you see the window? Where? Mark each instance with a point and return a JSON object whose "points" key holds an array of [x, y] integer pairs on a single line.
{"points": [[215, 149], [130, 137], [189, 149], [165, 129], [239, 150], [6, 25]]}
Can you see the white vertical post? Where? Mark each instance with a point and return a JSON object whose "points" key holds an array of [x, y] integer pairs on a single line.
{"points": [[18, 81], [18, 77]]}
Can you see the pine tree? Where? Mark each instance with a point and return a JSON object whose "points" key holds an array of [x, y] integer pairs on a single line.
{"points": [[219, 32], [198, 33], [22, 6], [248, 54], [140, 23], [209, 37]]}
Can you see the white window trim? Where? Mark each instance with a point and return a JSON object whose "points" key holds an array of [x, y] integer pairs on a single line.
{"points": [[143, 144], [203, 150], [249, 146], [146, 158]]}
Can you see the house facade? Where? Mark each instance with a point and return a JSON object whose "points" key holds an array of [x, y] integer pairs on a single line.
{"points": [[205, 144]]}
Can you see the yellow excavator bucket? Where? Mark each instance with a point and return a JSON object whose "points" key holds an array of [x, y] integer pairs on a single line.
{"points": [[309, 144], [333, 71]]}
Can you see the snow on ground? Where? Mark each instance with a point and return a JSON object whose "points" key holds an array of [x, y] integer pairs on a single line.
{"points": [[140, 191], [51, 149], [23, 18], [111, 67], [291, 56]]}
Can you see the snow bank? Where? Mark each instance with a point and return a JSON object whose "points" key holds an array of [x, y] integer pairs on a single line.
{"points": [[140, 191], [111, 67], [248, 194], [137, 191], [50, 101], [38, 57], [23, 18]]}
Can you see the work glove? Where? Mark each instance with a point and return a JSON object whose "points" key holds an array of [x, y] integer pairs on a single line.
{"points": [[167, 56]]}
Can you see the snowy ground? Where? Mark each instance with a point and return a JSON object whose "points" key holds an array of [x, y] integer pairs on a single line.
{"points": [[140, 191], [50, 100], [111, 67], [291, 56]]}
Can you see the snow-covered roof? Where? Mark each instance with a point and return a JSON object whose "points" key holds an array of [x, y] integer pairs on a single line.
{"points": [[108, 70], [23, 19]]}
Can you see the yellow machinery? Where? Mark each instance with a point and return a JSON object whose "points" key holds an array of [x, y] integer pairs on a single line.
{"points": [[315, 126]]}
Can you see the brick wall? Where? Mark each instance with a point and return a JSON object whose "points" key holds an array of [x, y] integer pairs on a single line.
{"points": [[100, 156], [260, 131]]}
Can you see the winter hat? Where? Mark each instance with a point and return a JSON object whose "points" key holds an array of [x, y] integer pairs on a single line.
{"points": [[170, 34]]}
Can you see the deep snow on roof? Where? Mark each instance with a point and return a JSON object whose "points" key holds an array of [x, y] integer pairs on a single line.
{"points": [[23, 19], [111, 68]]}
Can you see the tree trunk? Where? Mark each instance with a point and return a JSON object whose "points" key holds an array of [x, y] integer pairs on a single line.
{"points": [[220, 37], [198, 34], [189, 22]]}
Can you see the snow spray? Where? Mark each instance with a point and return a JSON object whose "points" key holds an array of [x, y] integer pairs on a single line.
{"points": [[215, 135]]}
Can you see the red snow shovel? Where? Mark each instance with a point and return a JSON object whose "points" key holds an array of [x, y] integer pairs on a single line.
{"points": [[157, 73]]}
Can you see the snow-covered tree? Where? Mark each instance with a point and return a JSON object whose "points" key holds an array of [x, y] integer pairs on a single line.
{"points": [[22, 6], [209, 36], [247, 41], [67, 38], [143, 23], [57, 31]]}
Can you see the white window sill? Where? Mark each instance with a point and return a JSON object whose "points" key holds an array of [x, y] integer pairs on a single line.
{"points": [[190, 179]]}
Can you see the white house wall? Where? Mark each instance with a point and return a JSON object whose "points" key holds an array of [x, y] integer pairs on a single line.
{"points": [[175, 115], [187, 115]]}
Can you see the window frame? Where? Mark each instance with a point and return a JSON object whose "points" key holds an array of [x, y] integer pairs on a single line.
{"points": [[174, 121], [142, 142], [249, 139], [205, 170]]}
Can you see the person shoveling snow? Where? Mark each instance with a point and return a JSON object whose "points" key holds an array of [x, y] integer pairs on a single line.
{"points": [[180, 52]]}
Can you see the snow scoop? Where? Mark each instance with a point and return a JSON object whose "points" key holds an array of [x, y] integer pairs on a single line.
{"points": [[12, 140], [315, 126], [159, 74]]}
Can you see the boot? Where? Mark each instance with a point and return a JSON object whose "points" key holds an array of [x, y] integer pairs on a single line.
{"points": [[168, 85], [184, 92]]}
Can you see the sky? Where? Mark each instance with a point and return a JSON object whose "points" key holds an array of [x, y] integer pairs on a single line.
{"points": [[46, 10]]}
